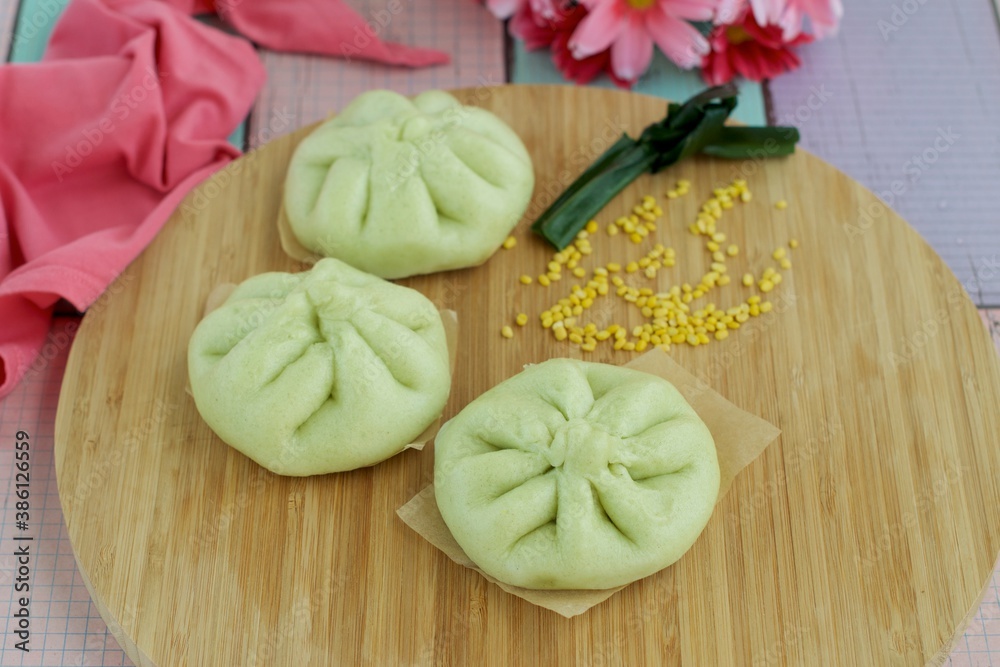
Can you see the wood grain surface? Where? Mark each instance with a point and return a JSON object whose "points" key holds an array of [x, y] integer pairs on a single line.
{"points": [[911, 136], [864, 535]]}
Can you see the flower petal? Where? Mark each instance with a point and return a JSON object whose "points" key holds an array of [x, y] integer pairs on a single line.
{"points": [[526, 27], [545, 9], [598, 30], [768, 36], [791, 22], [632, 51], [767, 12], [716, 68], [824, 15], [678, 39], [693, 10], [503, 9], [729, 11], [760, 64]]}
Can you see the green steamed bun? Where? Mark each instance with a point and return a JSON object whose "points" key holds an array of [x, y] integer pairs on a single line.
{"points": [[576, 475], [322, 371], [400, 187]]}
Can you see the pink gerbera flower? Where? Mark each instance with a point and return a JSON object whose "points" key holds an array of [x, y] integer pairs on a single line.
{"points": [[504, 9], [534, 33], [824, 15], [746, 48], [630, 28], [552, 32]]}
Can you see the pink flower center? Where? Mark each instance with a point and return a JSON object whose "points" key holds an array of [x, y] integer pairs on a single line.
{"points": [[640, 4], [737, 35]]}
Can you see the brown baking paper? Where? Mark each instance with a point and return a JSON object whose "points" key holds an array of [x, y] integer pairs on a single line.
{"points": [[290, 243], [740, 437], [449, 318]]}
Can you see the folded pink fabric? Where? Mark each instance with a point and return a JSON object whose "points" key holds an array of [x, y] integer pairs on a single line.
{"points": [[324, 27], [129, 109]]}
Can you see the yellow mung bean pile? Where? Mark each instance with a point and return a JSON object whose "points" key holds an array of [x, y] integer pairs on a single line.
{"points": [[670, 316]]}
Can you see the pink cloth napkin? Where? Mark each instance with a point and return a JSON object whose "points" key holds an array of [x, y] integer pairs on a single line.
{"points": [[323, 27], [129, 109]]}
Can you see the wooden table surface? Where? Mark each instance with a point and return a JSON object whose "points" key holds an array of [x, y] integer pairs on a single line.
{"points": [[870, 101]]}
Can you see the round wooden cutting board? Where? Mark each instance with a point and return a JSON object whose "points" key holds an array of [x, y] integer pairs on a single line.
{"points": [[864, 535]]}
